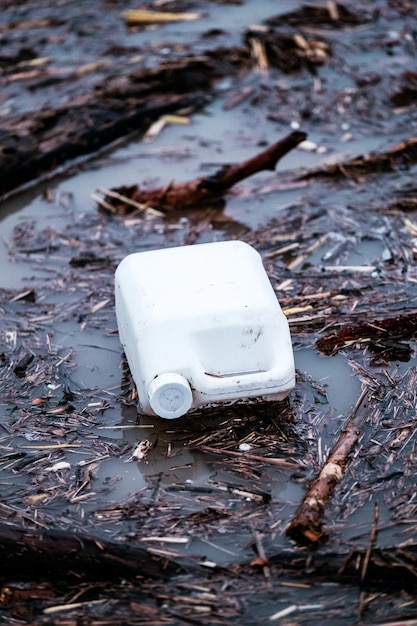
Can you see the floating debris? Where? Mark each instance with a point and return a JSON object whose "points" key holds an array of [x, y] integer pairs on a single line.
{"points": [[141, 450], [135, 17]]}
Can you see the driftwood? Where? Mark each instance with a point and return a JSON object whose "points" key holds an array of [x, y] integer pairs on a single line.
{"points": [[201, 190], [40, 566], [51, 138], [306, 527], [393, 328], [389, 568], [401, 155], [37, 143], [64, 557], [59, 555]]}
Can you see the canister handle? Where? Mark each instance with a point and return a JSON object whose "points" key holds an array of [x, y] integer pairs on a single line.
{"points": [[246, 381]]}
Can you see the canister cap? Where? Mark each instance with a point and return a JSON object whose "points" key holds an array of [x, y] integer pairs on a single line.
{"points": [[170, 395]]}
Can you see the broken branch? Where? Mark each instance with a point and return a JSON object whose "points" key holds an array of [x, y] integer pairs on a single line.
{"points": [[306, 528], [205, 189]]}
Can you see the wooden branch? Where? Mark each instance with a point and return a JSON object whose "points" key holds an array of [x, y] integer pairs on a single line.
{"points": [[306, 528], [206, 189]]}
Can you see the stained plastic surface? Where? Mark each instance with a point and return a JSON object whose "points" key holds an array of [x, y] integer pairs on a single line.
{"points": [[200, 325]]}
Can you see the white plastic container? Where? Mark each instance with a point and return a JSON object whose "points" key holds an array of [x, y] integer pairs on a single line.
{"points": [[201, 324]]}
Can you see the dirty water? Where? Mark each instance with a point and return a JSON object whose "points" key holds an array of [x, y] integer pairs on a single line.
{"points": [[179, 152], [79, 393]]}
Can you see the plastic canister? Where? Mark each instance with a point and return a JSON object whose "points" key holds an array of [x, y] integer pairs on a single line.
{"points": [[201, 324]]}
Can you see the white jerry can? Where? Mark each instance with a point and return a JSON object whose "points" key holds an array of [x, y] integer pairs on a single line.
{"points": [[201, 324]]}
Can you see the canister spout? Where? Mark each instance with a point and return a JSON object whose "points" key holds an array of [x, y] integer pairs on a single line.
{"points": [[170, 395]]}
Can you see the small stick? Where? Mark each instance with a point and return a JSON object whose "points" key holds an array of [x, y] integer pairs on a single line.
{"points": [[244, 456], [263, 558], [135, 205], [371, 545], [306, 528]]}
